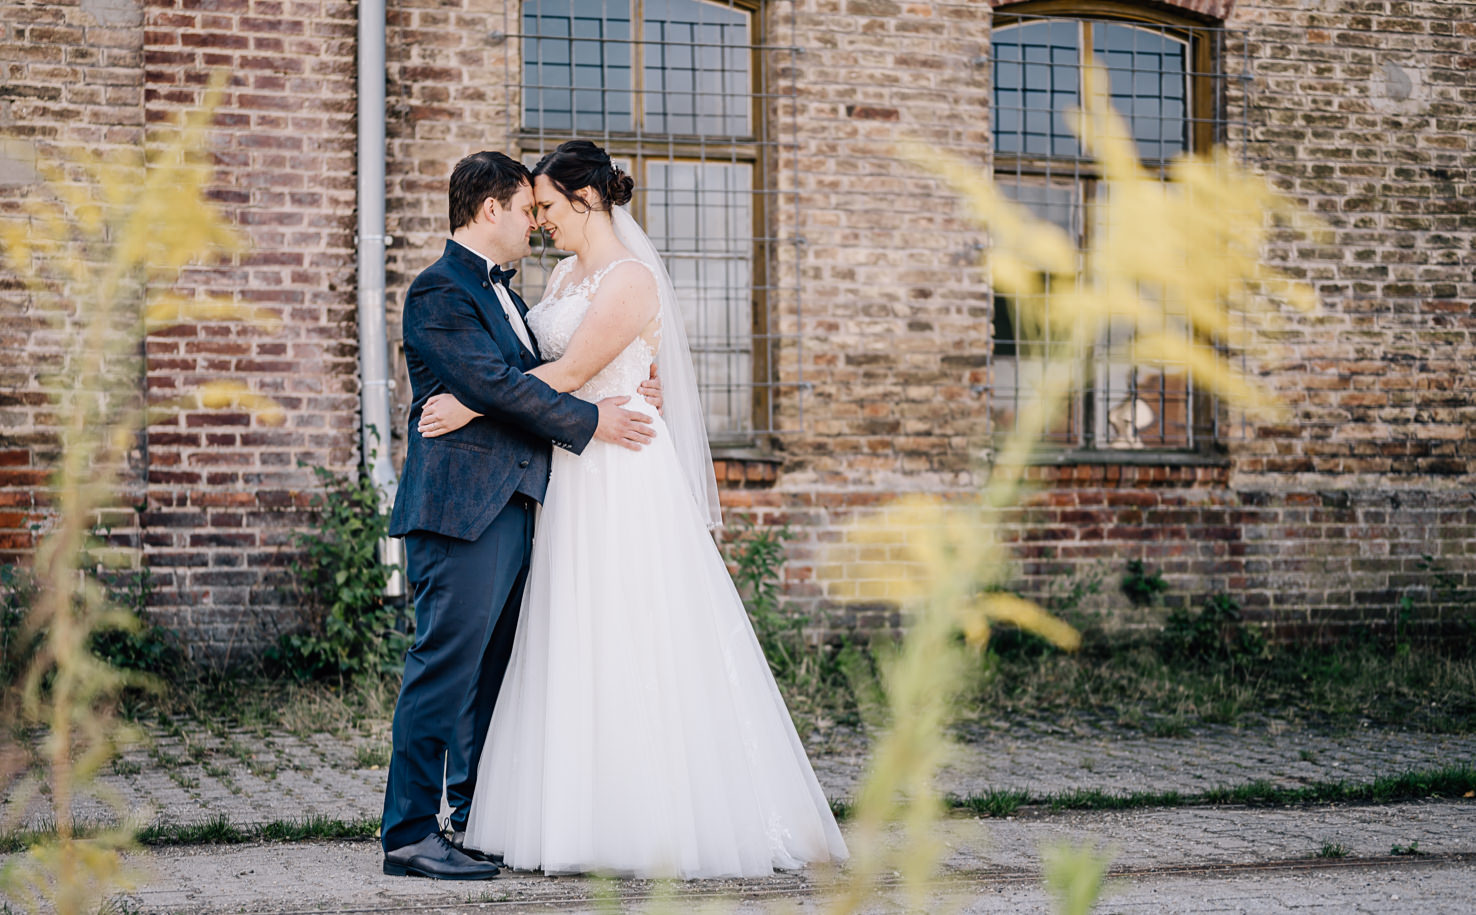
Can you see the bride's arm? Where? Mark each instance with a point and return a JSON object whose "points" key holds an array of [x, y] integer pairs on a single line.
{"points": [[625, 303], [623, 306]]}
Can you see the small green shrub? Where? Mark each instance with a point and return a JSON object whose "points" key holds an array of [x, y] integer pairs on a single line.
{"points": [[141, 646], [147, 646], [353, 630], [1216, 634], [812, 677], [17, 646], [1142, 587], [758, 555]]}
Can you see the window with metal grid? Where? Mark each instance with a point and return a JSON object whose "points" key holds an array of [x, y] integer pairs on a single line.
{"points": [[673, 89], [1163, 78]]}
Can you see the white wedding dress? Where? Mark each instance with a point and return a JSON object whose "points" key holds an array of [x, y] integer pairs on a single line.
{"points": [[639, 730]]}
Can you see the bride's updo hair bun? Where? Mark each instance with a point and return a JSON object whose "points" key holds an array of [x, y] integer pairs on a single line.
{"points": [[579, 164], [621, 186]]}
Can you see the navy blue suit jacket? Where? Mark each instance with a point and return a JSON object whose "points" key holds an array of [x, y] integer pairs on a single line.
{"points": [[458, 340]]}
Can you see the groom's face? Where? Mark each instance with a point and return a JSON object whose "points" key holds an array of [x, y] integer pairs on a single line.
{"points": [[512, 226]]}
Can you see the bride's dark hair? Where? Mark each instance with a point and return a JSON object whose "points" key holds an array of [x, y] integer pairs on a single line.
{"points": [[578, 164]]}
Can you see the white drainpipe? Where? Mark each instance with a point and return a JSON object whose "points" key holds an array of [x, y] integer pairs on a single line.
{"points": [[374, 395]]}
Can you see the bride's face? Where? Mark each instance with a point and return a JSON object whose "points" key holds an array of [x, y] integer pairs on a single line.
{"points": [[563, 222]]}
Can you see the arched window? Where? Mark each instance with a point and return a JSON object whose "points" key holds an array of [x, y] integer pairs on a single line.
{"points": [[670, 88], [1162, 76]]}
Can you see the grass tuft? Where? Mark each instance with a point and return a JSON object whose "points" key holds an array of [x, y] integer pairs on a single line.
{"points": [[1448, 782], [992, 803], [1126, 679], [255, 703], [370, 757], [217, 830]]}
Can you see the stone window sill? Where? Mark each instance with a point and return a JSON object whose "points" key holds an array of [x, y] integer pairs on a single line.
{"points": [[1144, 458]]}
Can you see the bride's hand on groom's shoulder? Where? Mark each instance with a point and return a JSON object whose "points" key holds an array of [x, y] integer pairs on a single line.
{"points": [[650, 389], [619, 426], [444, 413]]}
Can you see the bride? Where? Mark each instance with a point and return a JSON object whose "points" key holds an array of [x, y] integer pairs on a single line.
{"points": [[638, 730]]}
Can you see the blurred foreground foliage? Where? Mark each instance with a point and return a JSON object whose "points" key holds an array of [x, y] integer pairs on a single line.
{"points": [[99, 247], [1186, 250]]}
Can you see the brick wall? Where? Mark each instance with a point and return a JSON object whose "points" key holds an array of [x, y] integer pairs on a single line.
{"points": [[223, 487], [70, 74], [892, 305], [215, 492], [1362, 111], [1362, 498]]}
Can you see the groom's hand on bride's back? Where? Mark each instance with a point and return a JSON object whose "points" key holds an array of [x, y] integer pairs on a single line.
{"points": [[623, 427], [650, 389]]}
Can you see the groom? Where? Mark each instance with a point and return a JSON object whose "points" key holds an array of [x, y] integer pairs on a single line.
{"points": [[466, 506]]}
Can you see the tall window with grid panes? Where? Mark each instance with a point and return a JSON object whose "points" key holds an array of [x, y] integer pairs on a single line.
{"points": [[1161, 70], [671, 89]]}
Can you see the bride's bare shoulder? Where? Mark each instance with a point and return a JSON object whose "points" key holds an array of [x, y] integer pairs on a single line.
{"points": [[630, 287], [629, 275]]}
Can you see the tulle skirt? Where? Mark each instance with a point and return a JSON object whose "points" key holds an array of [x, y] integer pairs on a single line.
{"points": [[639, 730]]}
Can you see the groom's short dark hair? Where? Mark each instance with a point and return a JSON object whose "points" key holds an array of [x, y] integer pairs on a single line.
{"points": [[482, 175]]}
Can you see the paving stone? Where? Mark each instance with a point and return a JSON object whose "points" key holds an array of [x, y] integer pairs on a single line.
{"points": [[288, 777], [1178, 860], [991, 866]]}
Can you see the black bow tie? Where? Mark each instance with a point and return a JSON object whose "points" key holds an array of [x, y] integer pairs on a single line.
{"points": [[498, 275]]}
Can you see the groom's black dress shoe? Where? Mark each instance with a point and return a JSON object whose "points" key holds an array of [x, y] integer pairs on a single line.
{"points": [[437, 858], [458, 842]]}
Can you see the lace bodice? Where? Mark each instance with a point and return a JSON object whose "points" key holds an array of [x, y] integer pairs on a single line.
{"points": [[554, 320]]}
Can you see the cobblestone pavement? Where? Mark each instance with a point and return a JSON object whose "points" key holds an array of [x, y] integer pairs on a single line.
{"points": [[186, 778], [1042, 759], [1220, 859], [1184, 860]]}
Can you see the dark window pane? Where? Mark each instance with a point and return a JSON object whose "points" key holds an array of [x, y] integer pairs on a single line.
{"points": [[1148, 77], [1037, 70], [1004, 327], [700, 215], [577, 73], [698, 76]]}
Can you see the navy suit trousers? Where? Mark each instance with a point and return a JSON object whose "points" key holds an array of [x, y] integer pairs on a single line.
{"points": [[467, 596]]}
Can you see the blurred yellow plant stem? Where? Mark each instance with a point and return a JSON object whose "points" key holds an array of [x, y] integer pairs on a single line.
{"points": [[1189, 250], [99, 250]]}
